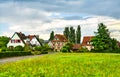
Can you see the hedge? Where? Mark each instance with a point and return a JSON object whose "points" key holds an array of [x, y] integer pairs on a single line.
{"points": [[12, 54]]}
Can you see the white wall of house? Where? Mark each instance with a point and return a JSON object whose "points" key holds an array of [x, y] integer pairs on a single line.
{"points": [[15, 37], [89, 47], [34, 41], [50, 44]]}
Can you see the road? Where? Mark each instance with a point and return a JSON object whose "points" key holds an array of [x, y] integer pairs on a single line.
{"points": [[13, 59]]}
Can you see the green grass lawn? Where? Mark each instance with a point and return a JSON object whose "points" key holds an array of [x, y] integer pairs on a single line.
{"points": [[65, 65]]}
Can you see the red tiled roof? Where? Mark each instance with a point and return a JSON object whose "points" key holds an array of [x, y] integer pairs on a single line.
{"points": [[87, 39], [31, 36], [61, 38], [77, 46]]}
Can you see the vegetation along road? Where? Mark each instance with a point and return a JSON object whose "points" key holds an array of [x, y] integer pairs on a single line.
{"points": [[13, 59]]}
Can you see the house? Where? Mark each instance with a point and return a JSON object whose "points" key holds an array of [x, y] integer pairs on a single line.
{"points": [[19, 38], [58, 42], [86, 43]]}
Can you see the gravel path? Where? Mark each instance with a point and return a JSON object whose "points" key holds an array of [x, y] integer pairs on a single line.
{"points": [[13, 59]]}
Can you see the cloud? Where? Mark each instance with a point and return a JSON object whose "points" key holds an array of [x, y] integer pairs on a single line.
{"points": [[42, 16], [94, 7]]}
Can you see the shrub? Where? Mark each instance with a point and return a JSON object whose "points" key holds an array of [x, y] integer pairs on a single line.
{"points": [[64, 50], [11, 54], [115, 50], [37, 48], [27, 47], [43, 49], [46, 48], [3, 49], [18, 48], [36, 52], [67, 47], [83, 50]]}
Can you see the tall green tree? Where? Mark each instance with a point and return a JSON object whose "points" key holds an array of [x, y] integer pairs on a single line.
{"points": [[66, 32], [78, 34], [102, 40], [72, 35], [51, 35]]}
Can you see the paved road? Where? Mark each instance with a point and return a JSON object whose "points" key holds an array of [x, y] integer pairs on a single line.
{"points": [[13, 59]]}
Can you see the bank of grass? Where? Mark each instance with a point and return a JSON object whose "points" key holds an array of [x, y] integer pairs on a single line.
{"points": [[65, 65]]}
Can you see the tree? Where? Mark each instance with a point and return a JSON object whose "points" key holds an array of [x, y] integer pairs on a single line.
{"points": [[66, 32], [78, 34], [3, 41], [72, 35], [102, 40], [51, 36]]}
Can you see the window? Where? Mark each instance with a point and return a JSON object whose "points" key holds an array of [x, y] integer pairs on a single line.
{"points": [[88, 42], [15, 41], [18, 41], [12, 41]]}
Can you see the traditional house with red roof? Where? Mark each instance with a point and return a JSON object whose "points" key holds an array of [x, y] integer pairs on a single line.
{"points": [[20, 39], [86, 43], [58, 42]]}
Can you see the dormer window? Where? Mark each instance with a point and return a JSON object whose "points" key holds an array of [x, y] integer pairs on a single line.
{"points": [[88, 42]]}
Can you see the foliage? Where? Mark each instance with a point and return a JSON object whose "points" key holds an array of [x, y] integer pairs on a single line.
{"points": [[27, 47], [41, 40], [46, 48], [67, 47], [51, 36], [38, 48], [11, 54], [3, 49], [78, 34], [18, 48], [72, 35], [66, 32], [102, 41], [83, 50], [3, 41], [36, 52], [43, 49], [65, 65]]}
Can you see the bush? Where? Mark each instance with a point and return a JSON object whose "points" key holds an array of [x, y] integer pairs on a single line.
{"points": [[18, 48], [27, 48], [36, 52], [3, 49], [115, 50], [83, 50], [38, 48], [43, 49], [11, 54], [44, 52], [64, 50], [67, 47]]}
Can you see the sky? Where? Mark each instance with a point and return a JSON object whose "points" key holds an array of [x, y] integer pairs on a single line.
{"points": [[40, 17]]}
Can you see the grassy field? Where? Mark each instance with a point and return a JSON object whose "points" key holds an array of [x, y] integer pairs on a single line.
{"points": [[65, 65]]}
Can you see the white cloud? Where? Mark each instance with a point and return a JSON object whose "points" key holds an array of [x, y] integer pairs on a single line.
{"points": [[88, 26], [40, 22]]}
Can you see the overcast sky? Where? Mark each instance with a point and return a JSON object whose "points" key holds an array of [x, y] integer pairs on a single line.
{"points": [[42, 16]]}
